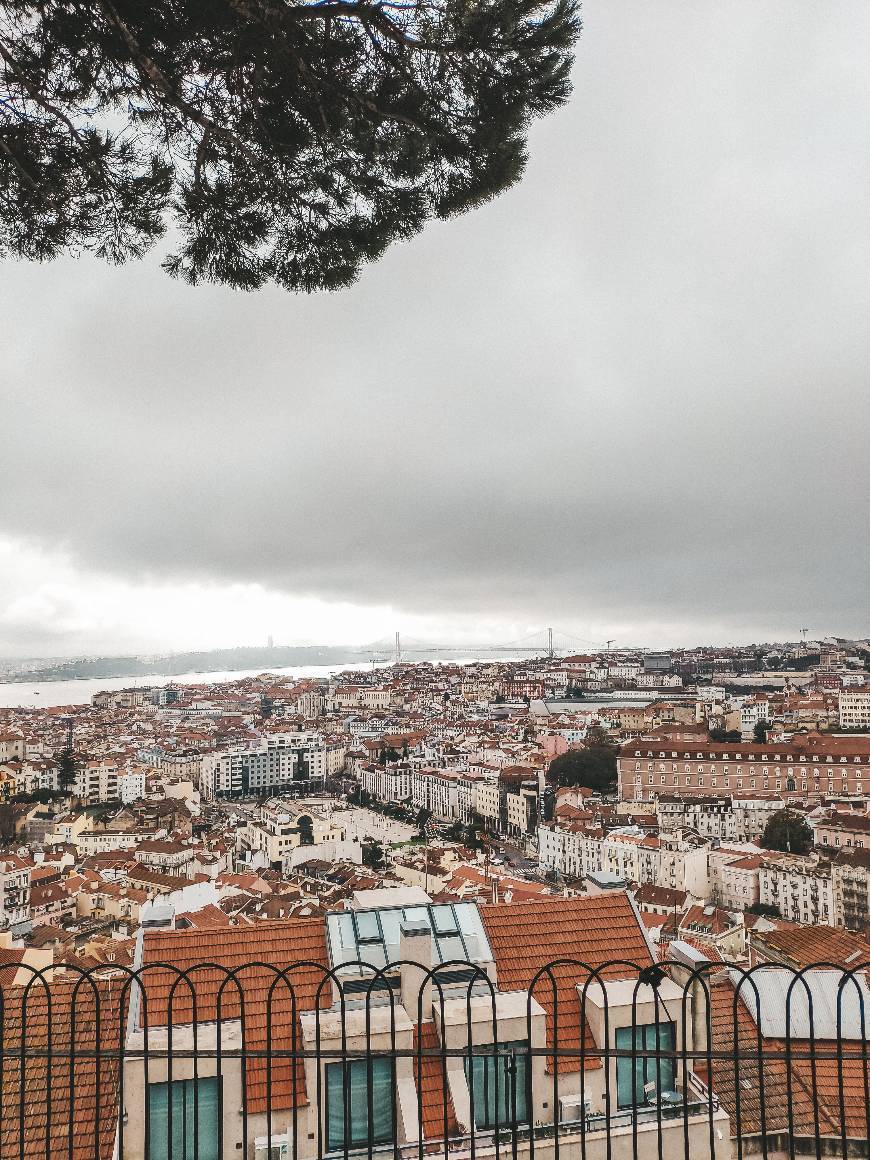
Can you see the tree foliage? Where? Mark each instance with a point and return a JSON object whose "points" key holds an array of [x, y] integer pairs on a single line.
{"points": [[593, 767], [373, 855], [67, 769], [7, 823], [287, 140], [719, 734], [765, 910], [789, 832]]}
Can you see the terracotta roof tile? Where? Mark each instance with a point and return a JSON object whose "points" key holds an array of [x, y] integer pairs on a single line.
{"points": [[52, 1087], [296, 946], [588, 932]]}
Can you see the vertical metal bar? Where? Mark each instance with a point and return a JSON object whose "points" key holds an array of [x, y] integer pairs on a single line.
{"points": [[269, 1023], [369, 1066], [218, 1063], [469, 1071], [681, 1083], [511, 1068], [98, 1076], [608, 1055], [71, 1075], [633, 1106], [146, 1060], [195, 1024], [789, 1084], [735, 1042]]}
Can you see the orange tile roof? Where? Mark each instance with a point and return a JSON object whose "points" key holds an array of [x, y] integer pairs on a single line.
{"points": [[589, 932], [438, 1115], [791, 1093], [294, 945], [53, 1087], [801, 946]]}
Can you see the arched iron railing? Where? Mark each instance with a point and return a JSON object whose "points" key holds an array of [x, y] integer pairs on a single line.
{"points": [[301, 1062]]}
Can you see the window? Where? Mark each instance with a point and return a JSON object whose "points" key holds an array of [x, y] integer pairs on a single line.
{"points": [[632, 1075], [497, 1084], [352, 1117], [193, 1107]]}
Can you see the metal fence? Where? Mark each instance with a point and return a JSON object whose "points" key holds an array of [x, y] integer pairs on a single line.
{"points": [[304, 1062]]}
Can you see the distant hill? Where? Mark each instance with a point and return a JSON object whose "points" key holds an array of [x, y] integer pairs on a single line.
{"points": [[174, 664]]}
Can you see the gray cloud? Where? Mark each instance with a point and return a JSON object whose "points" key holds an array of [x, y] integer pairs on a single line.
{"points": [[633, 388]]}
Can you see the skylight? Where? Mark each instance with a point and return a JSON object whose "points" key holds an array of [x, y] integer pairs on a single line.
{"points": [[373, 936]]}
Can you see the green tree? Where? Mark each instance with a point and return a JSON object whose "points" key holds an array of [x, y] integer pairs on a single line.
{"points": [[306, 830], [289, 141], [7, 823], [67, 769], [455, 832], [373, 855], [788, 831], [724, 734], [472, 836], [760, 730], [359, 797], [765, 910], [593, 767]]}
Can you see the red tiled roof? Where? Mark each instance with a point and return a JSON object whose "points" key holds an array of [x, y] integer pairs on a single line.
{"points": [[438, 1116], [801, 946], [52, 1088], [589, 932], [814, 1089], [294, 945]]}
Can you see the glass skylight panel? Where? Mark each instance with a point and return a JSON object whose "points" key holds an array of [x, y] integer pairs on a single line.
{"points": [[368, 929], [450, 948], [342, 938], [415, 914], [391, 925], [374, 936], [444, 920], [471, 926]]}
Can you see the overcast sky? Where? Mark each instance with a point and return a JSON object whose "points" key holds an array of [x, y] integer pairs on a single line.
{"points": [[628, 398]]}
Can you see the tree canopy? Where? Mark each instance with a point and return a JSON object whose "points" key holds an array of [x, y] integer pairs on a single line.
{"points": [[593, 767], [719, 734], [760, 730], [789, 832], [67, 769], [285, 140], [373, 854]]}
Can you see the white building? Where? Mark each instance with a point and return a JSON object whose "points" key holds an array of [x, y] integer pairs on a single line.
{"points": [[752, 711], [105, 781], [668, 860], [854, 705], [14, 892], [281, 828], [279, 760], [800, 888]]}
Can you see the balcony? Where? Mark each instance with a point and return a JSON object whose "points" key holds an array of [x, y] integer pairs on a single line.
{"points": [[208, 1063]]}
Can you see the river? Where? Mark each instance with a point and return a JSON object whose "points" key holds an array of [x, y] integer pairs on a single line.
{"points": [[46, 694]]}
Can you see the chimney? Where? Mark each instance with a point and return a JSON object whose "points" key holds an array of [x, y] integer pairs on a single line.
{"points": [[415, 947]]}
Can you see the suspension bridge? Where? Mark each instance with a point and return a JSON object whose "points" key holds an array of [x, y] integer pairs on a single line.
{"points": [[549, 642]]}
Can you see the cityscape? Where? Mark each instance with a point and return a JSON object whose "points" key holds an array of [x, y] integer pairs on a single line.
{"points": [[434, 580], [703, 813]]}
